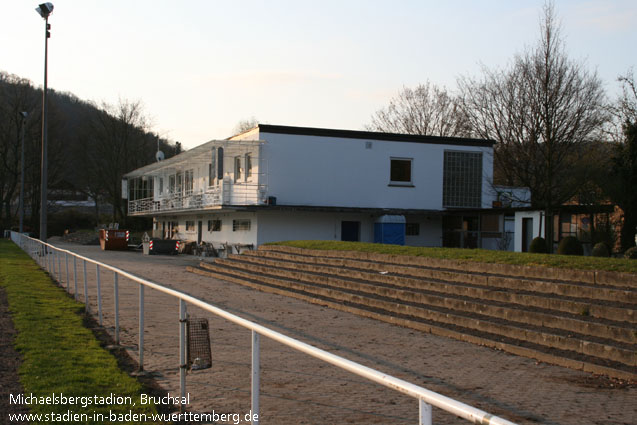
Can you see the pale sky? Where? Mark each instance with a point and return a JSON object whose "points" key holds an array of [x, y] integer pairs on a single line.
{"points": [[199, 67]]}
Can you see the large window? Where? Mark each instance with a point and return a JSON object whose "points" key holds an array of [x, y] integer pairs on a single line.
{"points": [[248, 166], [462, 179], [212, 168], [400, 171], [189, 181], [237, 168]]}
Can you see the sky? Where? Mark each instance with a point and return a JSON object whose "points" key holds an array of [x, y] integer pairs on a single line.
{"points": [[200, 67]]}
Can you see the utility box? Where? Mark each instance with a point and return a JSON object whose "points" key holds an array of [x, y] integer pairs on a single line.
{"points": [[111, 239], [390, 229]]}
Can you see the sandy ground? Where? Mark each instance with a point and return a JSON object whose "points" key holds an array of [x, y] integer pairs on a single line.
{"points": [[297, 389]]}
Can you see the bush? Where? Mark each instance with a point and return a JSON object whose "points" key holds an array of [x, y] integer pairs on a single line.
{"points": [[600, 250], [538, 245], [631, 253], [570, 246]]}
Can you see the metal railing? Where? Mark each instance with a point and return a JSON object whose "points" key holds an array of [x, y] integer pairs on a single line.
{"points": [[228, 193], [47, 255]]}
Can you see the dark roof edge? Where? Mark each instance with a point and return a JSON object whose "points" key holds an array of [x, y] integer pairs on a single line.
{"points": [[373, 135]]}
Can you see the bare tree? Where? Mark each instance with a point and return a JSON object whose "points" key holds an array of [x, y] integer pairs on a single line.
{"points": [[245, 125], [118, 143], [426, 109], [542, 111]]}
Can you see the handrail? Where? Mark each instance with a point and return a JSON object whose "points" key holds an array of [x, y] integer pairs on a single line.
{"points": [[448, 404]]}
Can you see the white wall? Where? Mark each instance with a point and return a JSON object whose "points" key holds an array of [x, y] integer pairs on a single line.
{"points": [[430, 231], [327, 171], [225, 235], [537, 217], [287, 225]]}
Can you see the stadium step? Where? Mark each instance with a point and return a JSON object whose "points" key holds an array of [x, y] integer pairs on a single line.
{"points": [[568, 322]]}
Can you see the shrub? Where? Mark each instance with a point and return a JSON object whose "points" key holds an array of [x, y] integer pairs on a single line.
{"points": [[570, 246], [538, 245], [631, 253], [600, 250]]}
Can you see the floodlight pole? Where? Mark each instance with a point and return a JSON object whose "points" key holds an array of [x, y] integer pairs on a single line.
{"points": [[24, 124], [43, 174]]}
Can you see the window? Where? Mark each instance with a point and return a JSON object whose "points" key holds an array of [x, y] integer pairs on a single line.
{"points": [[179, 184], [161, 185], [240, 225], [412, 229], [462, 179], [171, 184], [214, 225], [189, 181], [237, 168], [248, 166], [400, 172], [190, 226], [212, 168]]}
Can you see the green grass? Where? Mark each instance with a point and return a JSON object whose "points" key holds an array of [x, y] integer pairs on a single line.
{"points": [[477, 255], [60, 355]]}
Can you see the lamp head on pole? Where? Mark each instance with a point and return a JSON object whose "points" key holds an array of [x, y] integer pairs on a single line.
{"points": [[44, 9]]}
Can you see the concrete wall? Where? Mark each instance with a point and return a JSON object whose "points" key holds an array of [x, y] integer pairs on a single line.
{"points": [[331, 171]]}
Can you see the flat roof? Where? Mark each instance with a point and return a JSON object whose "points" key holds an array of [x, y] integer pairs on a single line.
{"points": [[374, 135]]}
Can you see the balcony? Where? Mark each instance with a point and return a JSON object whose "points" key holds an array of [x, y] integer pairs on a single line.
{"points": [[225, 194]]}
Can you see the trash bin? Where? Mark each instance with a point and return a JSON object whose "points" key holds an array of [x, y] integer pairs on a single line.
{"points": [[111, 239]]}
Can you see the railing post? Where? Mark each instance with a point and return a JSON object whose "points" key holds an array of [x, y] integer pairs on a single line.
{"points": [[141, 327], [99, 294], [58, 254], [255, 378], [116, 289], [75, 275], [182, 349], [66, 260], [86, 288], [424, 413]]}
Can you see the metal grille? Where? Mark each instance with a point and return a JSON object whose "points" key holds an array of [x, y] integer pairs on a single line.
{"points": [[199, 356]]}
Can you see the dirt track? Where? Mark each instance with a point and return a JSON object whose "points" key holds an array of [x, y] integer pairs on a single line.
{"points": [[296, 389]]}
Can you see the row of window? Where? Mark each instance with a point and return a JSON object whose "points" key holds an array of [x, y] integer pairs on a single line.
{"points": [[242, 167], [241, 225]]}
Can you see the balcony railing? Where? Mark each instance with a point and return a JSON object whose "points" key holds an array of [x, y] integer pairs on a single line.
{"points": [[226, 194]]}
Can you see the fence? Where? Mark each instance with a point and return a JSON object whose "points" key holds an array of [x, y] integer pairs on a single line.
{"points": [[50, 258]]}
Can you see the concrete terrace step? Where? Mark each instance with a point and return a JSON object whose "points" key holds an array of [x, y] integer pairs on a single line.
{"points": [[623, 280], [620, 292], [454, 298], [554, 356], [559, 318], [595, 347], [620, 310]]}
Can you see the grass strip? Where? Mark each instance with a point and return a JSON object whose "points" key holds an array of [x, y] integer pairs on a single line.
{"points": [[477, 255], [60, 355]]}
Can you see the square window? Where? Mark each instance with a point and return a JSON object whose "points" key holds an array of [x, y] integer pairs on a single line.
{"points": [[190, 226], [412, 229], [400, 171]]}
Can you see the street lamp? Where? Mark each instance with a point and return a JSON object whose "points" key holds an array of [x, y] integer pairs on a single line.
{"points": [[44, 10], [24, 124]]}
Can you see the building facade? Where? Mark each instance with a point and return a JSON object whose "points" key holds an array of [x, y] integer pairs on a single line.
{"points": [[276, 183]]}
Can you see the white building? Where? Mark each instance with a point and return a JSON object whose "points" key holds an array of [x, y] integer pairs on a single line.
{"points": [[276, 183]]}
